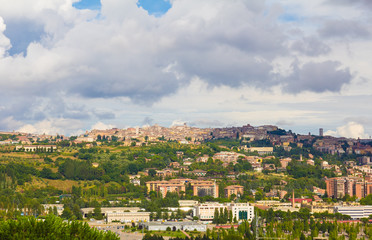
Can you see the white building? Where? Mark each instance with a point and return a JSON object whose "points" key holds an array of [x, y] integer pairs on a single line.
{"points": [[355, 212], [48, 207], [240, 211], [174, 226], [188, 203], [115, 212]]}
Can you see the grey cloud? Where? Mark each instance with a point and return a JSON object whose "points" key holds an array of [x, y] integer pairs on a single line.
{"points": [[360, 120], [21, 33], [311, 46], [317, 77], [102, 115], [359, 3], [344, 28], [148, 121], [284, 123]]}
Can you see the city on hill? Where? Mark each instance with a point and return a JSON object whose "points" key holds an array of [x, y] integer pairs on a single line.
{"points": [[187, 182]]}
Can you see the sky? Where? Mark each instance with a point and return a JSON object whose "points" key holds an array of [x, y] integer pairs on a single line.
{"points": [[68, 66]]}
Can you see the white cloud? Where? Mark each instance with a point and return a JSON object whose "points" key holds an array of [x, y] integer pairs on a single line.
{"points": [[350, 130], [4, 41], [52, 126], [102, 126]]}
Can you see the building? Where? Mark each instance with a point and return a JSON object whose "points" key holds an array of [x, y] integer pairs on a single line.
{"points": [[199, 173], [204, 188], [228, 157], [34, 148], [127, 217], [355, 212], [237, 190], [163, 187], [321, 132], [261, 150], [105, 211], [173, 226], [200, 188], [353, 186], [52, 207], [240, 211], [166, 173], [187, 203]]}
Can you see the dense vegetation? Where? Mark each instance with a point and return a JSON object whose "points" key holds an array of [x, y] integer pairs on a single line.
{"points": [[50, 228]]}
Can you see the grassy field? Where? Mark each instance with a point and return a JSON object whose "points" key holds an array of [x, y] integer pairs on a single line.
{"points": [[64, 185]]}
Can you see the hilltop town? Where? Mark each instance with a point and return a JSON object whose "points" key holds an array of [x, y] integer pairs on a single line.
{"points": [[200, 176]]}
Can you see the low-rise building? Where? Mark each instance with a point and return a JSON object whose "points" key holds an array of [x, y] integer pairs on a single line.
{"points": [[240, 211], [355, 212], [173, 226], [127, 217], [52, 207], [105, 211]]}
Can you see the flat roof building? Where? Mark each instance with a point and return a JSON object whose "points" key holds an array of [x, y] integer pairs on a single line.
{"points": [[355, 212]]}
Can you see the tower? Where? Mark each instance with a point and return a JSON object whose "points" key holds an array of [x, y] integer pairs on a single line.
{"points": [[321, 132]]}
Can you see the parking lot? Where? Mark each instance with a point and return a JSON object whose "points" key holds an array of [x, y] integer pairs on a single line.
{"points": [[116, 228]]}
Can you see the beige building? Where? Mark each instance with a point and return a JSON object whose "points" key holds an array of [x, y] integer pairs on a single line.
{"points": [[105, 211], [127, 217], [204, 188], [164, 187], [261, 150], [200, 188], [234, 189]]}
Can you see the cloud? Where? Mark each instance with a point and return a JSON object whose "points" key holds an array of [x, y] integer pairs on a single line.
{"points": [[148, 121], [311, 46], [52, 126], [206, 123], [358, 3], [20, 40], [101, 114], [317, 77], [117, 61], [344, 29], [4, 41], [350, 130], [102, 126], [285, 123]]}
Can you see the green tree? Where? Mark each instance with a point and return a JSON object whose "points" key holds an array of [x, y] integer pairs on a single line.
{"points": [[97, 213]]}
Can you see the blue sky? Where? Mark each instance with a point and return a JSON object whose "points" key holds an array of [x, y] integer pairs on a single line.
{"points": [[88, 4], [153, 7]]}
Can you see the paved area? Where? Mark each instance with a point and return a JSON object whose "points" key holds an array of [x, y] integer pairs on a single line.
{"points": [[117, 228]]}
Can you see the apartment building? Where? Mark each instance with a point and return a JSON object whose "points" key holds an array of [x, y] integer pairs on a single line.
{"points": [[233, 189], [353, 186], [163, 187], [204, 188], [200, 188]]}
